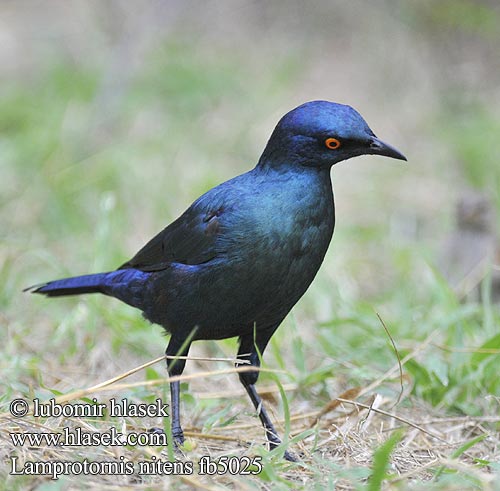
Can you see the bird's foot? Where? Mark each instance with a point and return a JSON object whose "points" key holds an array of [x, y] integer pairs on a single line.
{"points": [[274, 441], [177, 435], [290, 457], [156, 430]]}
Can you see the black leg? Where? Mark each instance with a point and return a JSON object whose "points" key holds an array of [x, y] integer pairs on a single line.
{"points": [[177, 433], [248, 350], [176, 367]]}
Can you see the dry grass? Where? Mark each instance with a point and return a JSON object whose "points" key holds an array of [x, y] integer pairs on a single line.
{"points": [[343, 436]]}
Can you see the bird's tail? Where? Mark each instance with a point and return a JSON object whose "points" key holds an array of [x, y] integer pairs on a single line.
{"points": [[90, 283], [127, 285]]}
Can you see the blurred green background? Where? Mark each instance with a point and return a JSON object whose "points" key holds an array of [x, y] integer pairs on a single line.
{"points": [[115, 116]]}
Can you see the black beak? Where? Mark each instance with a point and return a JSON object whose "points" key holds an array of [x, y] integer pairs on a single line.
{"points": [[378, 147]]}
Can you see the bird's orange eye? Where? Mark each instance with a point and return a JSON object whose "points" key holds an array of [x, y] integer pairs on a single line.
{"points": [[332, 143]]}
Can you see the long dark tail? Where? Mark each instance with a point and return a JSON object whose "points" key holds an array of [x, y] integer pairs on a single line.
{"points": [[90, 283], [128, 285]]}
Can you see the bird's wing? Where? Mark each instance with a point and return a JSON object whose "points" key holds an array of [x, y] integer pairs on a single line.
{"points": [[188, 240]]}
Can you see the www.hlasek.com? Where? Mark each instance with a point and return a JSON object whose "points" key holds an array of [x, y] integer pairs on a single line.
{"points": [[77, 437]]}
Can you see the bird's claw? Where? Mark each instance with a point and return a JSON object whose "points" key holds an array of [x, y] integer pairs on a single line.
{"points": [[177, 435], [274, 441], [290, 457]]}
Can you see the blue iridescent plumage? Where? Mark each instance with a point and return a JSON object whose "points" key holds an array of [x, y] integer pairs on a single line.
{"points": [[240, 257]]}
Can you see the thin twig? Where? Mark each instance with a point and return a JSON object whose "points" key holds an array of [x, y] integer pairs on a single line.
{"points": [[398, 357], [489, 351], [402, 362], [394, 416], [211, 436]]}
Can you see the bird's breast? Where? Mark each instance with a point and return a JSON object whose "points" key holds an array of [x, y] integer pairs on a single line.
{"points": [[298, 219], [283, 236]]}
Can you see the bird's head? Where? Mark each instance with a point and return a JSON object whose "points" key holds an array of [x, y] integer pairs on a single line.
{"points": [[320, 134]]}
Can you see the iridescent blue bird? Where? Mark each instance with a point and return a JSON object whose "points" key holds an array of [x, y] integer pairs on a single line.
{"points": [[240, 257]]}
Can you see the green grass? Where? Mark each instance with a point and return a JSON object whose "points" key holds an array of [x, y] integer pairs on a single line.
{"points": [[82, 190]]}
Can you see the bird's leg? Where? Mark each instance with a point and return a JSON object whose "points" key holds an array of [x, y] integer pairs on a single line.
{"points": [[176, 367], [249, 351], [177, 433]]}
